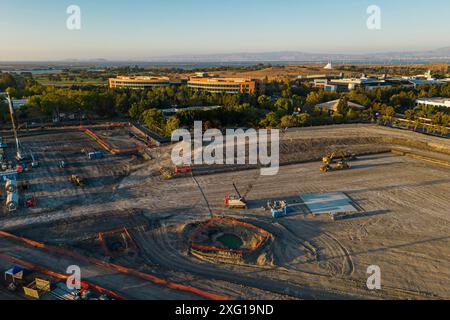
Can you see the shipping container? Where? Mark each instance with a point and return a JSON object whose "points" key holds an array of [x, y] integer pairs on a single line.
{"points": [[95, 155]]}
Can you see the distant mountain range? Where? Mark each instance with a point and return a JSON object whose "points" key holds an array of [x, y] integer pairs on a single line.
{"points": [[441, 54], [286, 56]]}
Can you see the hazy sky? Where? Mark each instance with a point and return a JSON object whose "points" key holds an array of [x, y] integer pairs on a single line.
{"points": [[140, 29]]}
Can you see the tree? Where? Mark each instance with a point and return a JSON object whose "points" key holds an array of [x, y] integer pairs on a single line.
{"points": [[403, 101], [172, 124], [352, 114], [283, 104], [303, 119], [288, 121], [264, 102], [154, 120], [409, 114], [342, 107], [270, 120], [439, 119], [388, 111], [136, 110]]}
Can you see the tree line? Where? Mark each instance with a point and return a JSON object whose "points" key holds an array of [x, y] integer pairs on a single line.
{"points": [[288, 103]]}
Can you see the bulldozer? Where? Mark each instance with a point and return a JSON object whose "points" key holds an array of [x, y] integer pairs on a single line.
{"points": [[235, 201], [76, 180]]}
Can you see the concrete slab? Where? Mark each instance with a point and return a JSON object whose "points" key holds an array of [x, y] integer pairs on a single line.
{"points": [[324, 203]]}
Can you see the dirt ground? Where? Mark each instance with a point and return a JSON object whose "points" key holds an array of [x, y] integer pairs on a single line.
{"points": [[293, 71], [404, 231]]}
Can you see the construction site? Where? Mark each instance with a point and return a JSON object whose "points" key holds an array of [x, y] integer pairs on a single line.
{"points": [[108, 199]]}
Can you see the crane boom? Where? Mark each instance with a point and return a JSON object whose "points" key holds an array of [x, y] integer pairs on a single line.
{"points": [[237, 191], [11, 112]]}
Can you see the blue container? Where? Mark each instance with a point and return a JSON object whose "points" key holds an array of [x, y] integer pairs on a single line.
{"points": [[95, 155], [280, 213]]}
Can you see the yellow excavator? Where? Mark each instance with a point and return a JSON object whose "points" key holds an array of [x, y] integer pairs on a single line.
{"points": [[329, 160], [76, 180]]}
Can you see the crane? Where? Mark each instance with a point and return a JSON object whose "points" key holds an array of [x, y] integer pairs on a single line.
{"points": [[234, 201], [19, 156]]}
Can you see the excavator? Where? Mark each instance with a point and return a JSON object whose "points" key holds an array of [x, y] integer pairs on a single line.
{"points": [[329, 160], [76, 180], [235, 201]]}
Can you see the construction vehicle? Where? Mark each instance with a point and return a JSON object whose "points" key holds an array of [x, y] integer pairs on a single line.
{"points": [[183, 169], [31, 202], [235, 201], [76, 180], [12, 201], [166, 173], [34, 162], [19, 155], [341, 165], [329, 160], [11, 185]]}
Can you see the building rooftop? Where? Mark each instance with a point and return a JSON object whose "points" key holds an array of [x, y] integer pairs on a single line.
{"points": [[332, 105], [438, 101], [219, 80], [142, 78]]}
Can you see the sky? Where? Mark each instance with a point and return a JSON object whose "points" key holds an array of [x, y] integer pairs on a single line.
{"points": [[143, 29]]}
